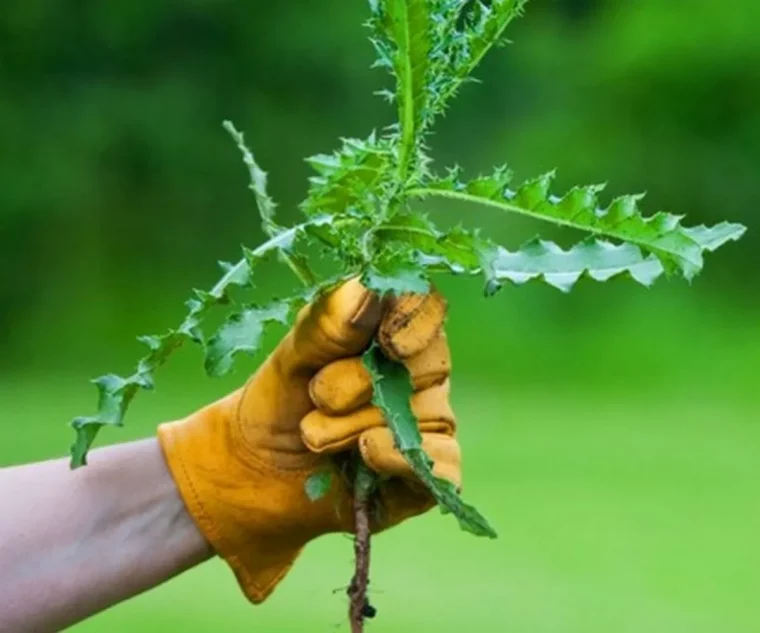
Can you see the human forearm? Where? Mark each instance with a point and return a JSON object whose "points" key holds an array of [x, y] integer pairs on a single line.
{"points": [[74, 543]]}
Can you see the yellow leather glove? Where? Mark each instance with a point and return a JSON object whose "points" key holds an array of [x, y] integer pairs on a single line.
{"points": [[241, 463]]}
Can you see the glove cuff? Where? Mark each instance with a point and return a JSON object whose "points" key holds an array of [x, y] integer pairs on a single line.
{"points": [[227, 500]]}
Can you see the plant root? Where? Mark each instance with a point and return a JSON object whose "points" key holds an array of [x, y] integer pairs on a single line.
{"points": [[359, 607]]}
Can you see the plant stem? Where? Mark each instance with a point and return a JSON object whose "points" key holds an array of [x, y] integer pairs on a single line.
{"points": [[364, 485], [300, 269]]}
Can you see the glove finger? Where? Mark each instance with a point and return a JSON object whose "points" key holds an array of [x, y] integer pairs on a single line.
{"points": [[345, 385], [338, 324], [410, 323], [381, 455], [323, 433]]}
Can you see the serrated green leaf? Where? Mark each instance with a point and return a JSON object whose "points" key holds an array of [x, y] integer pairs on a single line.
{"points": [[395, 270], [115, 392], [678, 248], [238, 274], [485, 28], [416, 232], [241, 332], [464, 32], [318, 485], [457, 251], [266, 206], [161, 347], [596, 259], [114, 395], [351, 179], [713, 237], [462, 251], [86, 431], [392, 390], [402, 32], [396, 282], [258, 181]]}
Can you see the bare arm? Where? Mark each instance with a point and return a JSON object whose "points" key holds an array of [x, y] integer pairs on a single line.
{"points": [[75, 543]]}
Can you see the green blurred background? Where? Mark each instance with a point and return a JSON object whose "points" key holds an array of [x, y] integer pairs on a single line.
{"points": [[611, 435]]}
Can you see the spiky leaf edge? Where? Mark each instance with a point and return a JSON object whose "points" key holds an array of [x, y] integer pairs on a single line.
{"points": [[678, 248], [115, 393], [401, 31], [462, 41], [267, 206], [461, 251], [392, 389]]}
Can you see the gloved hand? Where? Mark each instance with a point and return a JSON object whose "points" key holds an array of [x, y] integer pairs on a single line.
{"points": [[241, 463]]}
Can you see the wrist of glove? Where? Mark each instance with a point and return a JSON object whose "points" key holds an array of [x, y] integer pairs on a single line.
{"points": [[241, 464]]}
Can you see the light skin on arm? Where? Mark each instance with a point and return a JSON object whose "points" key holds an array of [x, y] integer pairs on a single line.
{"points": [[73, 543]]}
